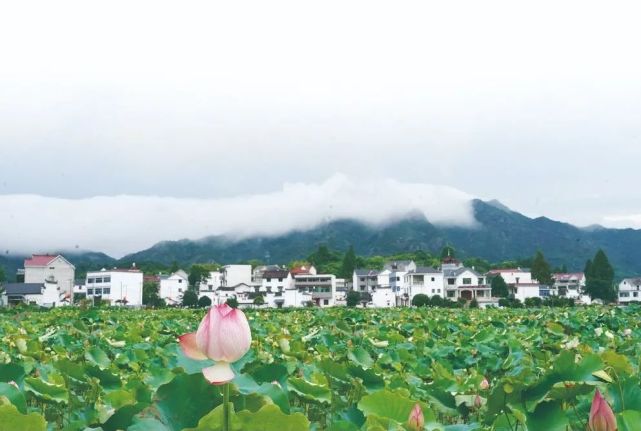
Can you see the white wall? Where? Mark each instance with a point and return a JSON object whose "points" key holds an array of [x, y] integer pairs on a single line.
{"points": [[173, 287], [120, 284], [236, 274], [629, 290], [58, 270]]}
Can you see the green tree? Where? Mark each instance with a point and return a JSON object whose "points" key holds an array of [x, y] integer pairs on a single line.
{"points": [[190, 298], [541, 269], [420, 300], [599, 278], [204, 302], [349, 264], [352, 298], [2, 275], [232, 302], [174, 267], [259, 300], [200, 271], [448, 251], [499, 287], [150, 296]]}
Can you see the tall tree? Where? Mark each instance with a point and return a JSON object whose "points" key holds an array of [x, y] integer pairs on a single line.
{"points": [[349, 263], [499, 287], [599, 278], [150, 294], [448, 251], [541, 269]]}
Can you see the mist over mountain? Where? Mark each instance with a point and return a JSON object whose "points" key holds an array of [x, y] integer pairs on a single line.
{"points": [[499, 234]]}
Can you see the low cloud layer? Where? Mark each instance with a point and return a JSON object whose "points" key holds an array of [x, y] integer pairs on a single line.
{"points": [[118, 225]]}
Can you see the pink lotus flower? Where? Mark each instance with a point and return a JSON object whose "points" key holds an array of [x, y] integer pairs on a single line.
{"points": [[484, 384], [224, 336], [416, 421], [601, 416]]}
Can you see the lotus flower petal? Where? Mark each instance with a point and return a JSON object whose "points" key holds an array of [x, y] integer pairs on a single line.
{"points": [[190, 346], [219, 374]]}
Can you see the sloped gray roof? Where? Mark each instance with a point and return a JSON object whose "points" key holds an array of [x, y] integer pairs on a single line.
{"points": [[366, 271], [458, 271], [23, 288], [425, 270]]}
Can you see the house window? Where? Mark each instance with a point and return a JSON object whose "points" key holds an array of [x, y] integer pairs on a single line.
{"points": [[99, 280], [52, 267], [89, 291], [398, 278], [90, 281], [635, 294], [106, 290], [180, 280], [268, 280], [106, 279], [480, 281], [624, 294], [180, 290], [432, 279], [362, 278], [326, 301], [280, 279], [450, 294], [517, 280], [98, 292], [467, 281], [451, 281]]}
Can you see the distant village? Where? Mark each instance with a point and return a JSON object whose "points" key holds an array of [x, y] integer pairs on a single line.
{"points": [[49, 281]]}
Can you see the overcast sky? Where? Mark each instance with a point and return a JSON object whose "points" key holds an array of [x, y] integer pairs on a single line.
{"points": [[536, 104]]}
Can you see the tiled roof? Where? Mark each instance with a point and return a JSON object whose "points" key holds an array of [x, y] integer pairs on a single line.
{"points": [[280, 273], [39, 260], [425, 270], [23, 288], [366, 272]]}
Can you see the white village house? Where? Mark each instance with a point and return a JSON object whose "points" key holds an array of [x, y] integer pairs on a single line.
{"points": [[42, 294], [52, 269], [629, 290], [173, 286], [118, 286]]}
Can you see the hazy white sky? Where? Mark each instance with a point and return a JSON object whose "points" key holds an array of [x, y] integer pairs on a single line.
{"points": [[537, 104]]}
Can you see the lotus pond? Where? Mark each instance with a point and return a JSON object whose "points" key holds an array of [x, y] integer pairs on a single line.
{"points": [[323, 369]]}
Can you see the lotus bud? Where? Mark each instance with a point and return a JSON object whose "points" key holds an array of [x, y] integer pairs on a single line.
{"points": [[224, 336], [478, 402], [416, 421], [601, 416], [485, 385]]}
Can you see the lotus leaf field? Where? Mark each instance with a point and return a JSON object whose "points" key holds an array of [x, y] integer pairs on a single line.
{"points": [[323, 369]]}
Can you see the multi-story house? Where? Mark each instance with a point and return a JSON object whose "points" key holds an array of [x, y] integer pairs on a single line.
{"points": [[425, 280], [466, 283], [118, 286], [570, 285], [629, 290], [53, 269], [321, 287], [173, 286], [512, 276], [397, 271]]}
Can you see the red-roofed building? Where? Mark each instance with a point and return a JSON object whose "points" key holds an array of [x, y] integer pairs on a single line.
{"points": [[303, 269], [41, 268]]}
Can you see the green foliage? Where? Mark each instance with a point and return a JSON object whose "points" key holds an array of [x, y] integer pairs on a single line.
{"points": [[541, 269], [232, 302], [599, 278], [200, 271], [150, 294], [499, 287], [352, 298], [448, 251], [190, 298], [3, 277], [533, 302], [474, 303], [259, 300], [204, 302], [420, 300], [510, 302], [349, 264], [323, 369]]}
